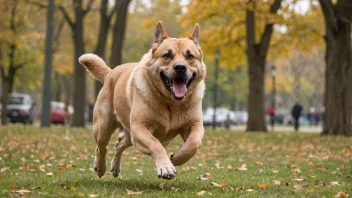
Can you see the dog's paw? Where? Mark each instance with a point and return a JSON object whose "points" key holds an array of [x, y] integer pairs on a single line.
{"points": [[115, 169], [166, 170], [99, 168]]}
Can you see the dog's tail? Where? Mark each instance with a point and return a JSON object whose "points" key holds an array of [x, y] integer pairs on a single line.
{"points": [[95, 66]]}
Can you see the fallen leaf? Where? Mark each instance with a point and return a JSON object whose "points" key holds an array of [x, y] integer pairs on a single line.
{"points": [[72, 188], [5, 169], [217, 185], [299, 179], [42, 168], [37, 188], [274, 170], [188, 168], [296, 170], [297, 187], [92, 195], [262, 185], [239, 188], [80, 194], [130, 192], [334, 183], [50, 174], [14, 186], [250, 190], [139, 170], [201, 193], [229, 167], [258, 163], [206, 176], [175, 189], [60, 167], [309, 190], [276, 182], [243, 167], [21, 191], [341, 195]]}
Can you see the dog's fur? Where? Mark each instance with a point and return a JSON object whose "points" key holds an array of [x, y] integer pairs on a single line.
{"points": [[141, 98]]}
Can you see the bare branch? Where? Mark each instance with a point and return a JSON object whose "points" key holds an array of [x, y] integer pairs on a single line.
{"points": [[89, 6], [67, 17], [266, 36]]}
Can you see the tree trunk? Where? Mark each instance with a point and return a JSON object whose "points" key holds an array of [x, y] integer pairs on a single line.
{"points": [[119, 33], [4, 101], [256, 111], [79, 94], [338, 57], [103, 35]]}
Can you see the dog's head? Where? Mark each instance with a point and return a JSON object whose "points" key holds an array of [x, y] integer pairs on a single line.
{"points": [[177, 63]]}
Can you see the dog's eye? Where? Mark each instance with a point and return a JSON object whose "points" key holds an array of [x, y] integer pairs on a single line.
{"points": [[167, 56], [189, 57]]}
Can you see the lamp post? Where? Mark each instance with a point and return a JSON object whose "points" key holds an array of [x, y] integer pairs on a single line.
{"points": [[215, 91], [273, 75]]}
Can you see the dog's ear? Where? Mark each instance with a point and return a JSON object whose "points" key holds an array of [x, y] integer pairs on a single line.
{"points": [[160, 34], [195, 34]]}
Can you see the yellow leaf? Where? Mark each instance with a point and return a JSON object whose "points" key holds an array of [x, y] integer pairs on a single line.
{"points": [[130, 192], [262, 185], [341, 195], [229, 167], [72, 188], [334, 183], [276, 182], [309, 190], [218, 185], [201, 193]]}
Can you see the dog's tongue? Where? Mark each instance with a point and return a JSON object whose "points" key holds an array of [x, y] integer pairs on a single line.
{"points": [[180, 89]]}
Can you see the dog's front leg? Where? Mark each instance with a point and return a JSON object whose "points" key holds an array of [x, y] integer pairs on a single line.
{"points": [[146, 143], [191, 146]]}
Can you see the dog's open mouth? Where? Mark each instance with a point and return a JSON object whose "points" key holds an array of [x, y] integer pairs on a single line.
{"points": [[178, 86]]}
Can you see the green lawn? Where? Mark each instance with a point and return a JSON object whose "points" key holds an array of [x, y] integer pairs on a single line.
{"points": [[57, 162]]}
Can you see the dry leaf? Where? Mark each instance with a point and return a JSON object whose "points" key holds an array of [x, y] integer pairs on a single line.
{"points": [[188, 168], [72, 188], [250, 190], [239, 188], [229, 167], [297, 187], [334, 183], [92, 195], [206, 176], [258, 163], [60, 167], [175, 189], [243, 167], [49, 174], [276, 182], [309, 190], [37, 188], [21, 191], [299, 179], [42, 168], [130, 192], [139, 170], [341, 195], [296, 170], [4, 169], [218, 185], [262, 185], [80, 194], [14, 186], [201, 193], [274, 170]]}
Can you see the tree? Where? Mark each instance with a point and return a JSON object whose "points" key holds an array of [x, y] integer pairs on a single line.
{"points": [[76, 25], [256, 56], [17, 43], [119, 33], [338, 58]]}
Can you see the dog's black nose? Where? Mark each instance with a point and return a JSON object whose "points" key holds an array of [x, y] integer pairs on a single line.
{"points": [[180, 68]]}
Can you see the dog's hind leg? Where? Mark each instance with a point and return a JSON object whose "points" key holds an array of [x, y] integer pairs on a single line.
{"points": [[123, 143], [103, 128]]}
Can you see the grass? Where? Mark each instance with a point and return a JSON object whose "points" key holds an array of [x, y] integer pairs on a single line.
{"points": [[57, 162]]}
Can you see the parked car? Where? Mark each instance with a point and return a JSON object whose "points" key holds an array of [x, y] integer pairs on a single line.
{"points": [[224, 116], [20, 108], [59, 114]]}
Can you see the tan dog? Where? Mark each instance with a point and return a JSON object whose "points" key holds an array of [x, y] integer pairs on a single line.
{"points": [[153, 101]]}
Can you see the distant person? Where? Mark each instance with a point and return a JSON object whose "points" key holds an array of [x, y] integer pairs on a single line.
{"points": [[296, 113], [271, 112]]}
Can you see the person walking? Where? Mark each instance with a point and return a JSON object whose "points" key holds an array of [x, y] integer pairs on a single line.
{"points": [[296, 113]]}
